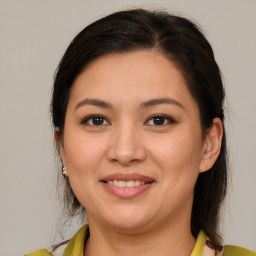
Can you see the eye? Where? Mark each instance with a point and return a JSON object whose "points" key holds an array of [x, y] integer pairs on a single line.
{"points": [[160, 120], [95, 120]]}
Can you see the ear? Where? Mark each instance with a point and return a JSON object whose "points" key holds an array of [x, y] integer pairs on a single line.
{"points": [[60, 144], [212, 145]]}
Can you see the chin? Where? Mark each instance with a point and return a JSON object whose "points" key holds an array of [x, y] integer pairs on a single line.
{"points": [[129, 226], [129, 219]]}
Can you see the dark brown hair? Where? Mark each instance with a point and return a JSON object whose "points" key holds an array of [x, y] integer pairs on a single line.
{"points": [[181, 41]]}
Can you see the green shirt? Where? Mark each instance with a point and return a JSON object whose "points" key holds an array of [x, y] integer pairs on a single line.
{"points": [[75, 247]]}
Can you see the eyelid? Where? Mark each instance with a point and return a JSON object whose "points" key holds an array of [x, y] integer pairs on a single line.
{"points": [[87, 118], [170, 119]]}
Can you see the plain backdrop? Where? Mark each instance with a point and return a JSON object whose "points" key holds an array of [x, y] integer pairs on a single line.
{"points": [[33, 37]]}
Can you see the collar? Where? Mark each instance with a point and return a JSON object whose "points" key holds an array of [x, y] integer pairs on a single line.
{"points": [[199, 246], [75, 246]]}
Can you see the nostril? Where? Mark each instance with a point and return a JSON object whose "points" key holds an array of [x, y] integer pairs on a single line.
{"points": [[126, 149]]}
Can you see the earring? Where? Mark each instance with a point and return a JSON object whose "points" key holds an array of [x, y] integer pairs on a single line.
{"points": [[64, 171]]}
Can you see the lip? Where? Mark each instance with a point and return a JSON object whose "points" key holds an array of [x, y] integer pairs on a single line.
{"points": [[127, 176], [127, 192]]}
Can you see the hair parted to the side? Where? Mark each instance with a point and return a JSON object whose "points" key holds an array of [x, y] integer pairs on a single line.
{"points": [[182, 42]]}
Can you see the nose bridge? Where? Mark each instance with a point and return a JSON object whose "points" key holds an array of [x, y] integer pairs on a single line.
{"points": [[126, 146]]}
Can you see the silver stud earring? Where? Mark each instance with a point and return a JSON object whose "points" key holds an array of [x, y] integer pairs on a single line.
{"points": [[64, 171]]}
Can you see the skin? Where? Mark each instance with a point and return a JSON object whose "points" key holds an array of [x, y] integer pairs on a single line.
{"points": [[172, 154]]}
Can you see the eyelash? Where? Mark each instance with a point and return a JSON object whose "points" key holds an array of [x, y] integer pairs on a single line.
{"points": [[167, 120], [86, 120]]}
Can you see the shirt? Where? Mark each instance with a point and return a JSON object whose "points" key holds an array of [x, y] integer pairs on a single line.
{"points": [[75, 247]]}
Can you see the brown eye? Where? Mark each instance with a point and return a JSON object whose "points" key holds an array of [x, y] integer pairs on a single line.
{"points": [[160, 120], [95, 120]]}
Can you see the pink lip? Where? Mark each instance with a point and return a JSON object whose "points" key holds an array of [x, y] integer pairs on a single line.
{"points": [[127, 176], [125, 192]]}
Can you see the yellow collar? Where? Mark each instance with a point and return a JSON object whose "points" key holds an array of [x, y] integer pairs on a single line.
{"points": [[75, 246], [199, 246]]}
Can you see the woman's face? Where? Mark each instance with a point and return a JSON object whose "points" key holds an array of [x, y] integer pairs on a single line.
{"points": [[132, 142]]}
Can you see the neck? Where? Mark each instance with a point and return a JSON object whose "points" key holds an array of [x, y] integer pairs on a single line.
{"points": [[171, 238]]}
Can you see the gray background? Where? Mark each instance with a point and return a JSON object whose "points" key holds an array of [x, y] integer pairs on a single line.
{"points": [[33, 37]]}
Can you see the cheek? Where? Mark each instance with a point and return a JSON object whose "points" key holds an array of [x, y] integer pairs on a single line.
{"points": [[83, 153], [178, 155], [177, 148], [178, 159]]}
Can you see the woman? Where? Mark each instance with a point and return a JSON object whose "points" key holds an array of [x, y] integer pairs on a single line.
{"points": [[137, 108]]}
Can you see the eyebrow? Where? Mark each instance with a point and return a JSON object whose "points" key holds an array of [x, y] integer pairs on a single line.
{"points": [[146, 104], [159, 101], [94, 102]]}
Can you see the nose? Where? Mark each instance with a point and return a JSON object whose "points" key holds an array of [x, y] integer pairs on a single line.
{"points": [[126, 146]]}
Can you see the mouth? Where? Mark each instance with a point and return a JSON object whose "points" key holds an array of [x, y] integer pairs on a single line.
{"points": [[127, 186]]}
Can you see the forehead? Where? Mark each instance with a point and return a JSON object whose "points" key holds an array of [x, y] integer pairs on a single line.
{"points": [[135, 75]]}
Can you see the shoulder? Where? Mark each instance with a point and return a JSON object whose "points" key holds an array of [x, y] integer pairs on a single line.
{"points": [[231, 250], [72, 247], [56, 251]]}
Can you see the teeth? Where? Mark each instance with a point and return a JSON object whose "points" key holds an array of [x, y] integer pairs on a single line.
{"points": [[136, 183], [128, 184], [122, 184]]}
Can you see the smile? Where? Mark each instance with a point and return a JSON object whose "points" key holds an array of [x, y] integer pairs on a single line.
{"points": [[126, 184]]}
